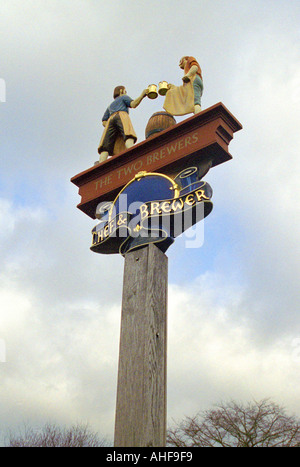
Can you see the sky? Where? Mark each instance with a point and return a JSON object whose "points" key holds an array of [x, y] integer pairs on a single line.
{"points": [[233, 301]]}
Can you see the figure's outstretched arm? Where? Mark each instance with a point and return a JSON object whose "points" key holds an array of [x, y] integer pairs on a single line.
{"points": [[139, 99], [192, 72]]}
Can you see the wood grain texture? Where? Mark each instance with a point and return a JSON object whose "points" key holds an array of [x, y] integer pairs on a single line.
{"points": [[141, 392]]}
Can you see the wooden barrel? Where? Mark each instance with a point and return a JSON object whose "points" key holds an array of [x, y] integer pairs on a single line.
{"points": [[159, 121]]}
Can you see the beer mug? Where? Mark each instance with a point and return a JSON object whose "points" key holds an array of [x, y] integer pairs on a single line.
{"points": [[152, 91], [162, 88]]}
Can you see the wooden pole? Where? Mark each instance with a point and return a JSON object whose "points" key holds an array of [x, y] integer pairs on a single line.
{"points": [[141, 392]]}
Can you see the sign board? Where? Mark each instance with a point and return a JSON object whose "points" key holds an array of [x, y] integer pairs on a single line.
{"points": [[154, 191], [196, 140], [152, 208]]}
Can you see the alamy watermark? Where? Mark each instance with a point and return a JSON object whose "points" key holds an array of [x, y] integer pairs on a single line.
{"points": [[2, 90], [151, 220]]}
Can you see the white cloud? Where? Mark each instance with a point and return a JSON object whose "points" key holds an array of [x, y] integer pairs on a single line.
{"points": [[63, 367], [214, 355], [60, 363]]}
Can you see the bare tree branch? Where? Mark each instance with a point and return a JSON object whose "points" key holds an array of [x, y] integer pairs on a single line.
{"points": [[256, 424], [53, 436]]}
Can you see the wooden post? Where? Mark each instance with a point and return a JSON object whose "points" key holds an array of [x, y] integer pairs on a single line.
{"points": [[141, 392]]}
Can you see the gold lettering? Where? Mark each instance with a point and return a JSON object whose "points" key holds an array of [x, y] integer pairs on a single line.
{"points": [[105, 231], [201, 195], [144, 211], [166, 206], [94, 240], [128, 169], [180, 144], [195, 138], [138, 165], [111, 226], [172, 148], [99, 236], [154, 206], [121, 220], [177, 204], [103, 181], [190, 199], [162, 153], [187, 140]]}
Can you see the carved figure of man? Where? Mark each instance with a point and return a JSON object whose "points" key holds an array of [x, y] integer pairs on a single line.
{"points": [[193, 73], [119, 133], [181, 100]]}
